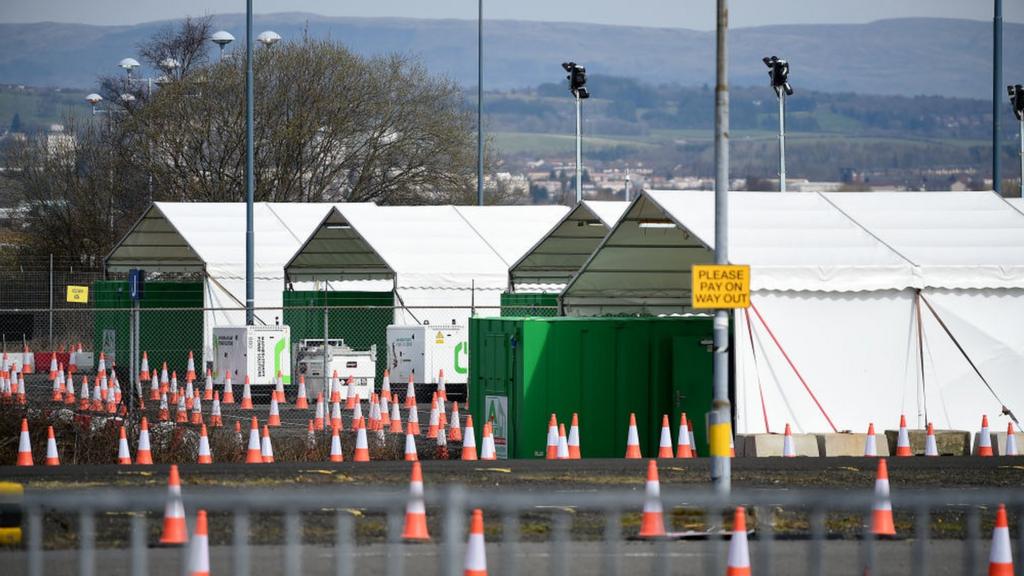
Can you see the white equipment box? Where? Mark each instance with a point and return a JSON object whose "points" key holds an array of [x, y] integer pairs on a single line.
{"points": [[257, 351], [360, 365], [426, 350]]}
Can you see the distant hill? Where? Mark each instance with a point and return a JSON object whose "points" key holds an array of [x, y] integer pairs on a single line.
{"points": [[894, 57]]}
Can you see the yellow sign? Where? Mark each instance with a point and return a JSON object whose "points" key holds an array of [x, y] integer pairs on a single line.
{"points": [[439, 339], [78, 294], [720, 286]]}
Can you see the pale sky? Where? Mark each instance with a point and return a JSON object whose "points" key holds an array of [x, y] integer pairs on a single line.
{"points": [[668, 13]]}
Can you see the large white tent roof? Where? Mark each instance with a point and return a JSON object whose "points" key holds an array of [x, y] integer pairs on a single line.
{"points": [[511, 230], [553, 260]]}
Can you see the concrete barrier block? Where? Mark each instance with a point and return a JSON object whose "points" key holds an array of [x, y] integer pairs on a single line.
{"points": [[849, 444], [999, 443], [949, 442], [761, 445]]}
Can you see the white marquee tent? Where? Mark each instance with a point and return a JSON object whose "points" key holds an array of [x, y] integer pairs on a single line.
{"points": [[851, 287], [209, 239]]}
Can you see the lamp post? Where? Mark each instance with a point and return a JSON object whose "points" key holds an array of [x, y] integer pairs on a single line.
{"points": [[250, 183], [222, 38], [997, 85], [577, 78], [1016, 92], [778, 72], [268, 38], [480, 103]]}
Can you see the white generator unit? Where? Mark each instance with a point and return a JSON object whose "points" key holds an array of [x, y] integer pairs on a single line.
{"points": [[360, 365], [257, 351], [426, 350]]}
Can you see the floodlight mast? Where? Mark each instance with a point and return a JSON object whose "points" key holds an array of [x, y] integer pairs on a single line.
{"points": [[1016, 93], [577, 86], [778, 72]]}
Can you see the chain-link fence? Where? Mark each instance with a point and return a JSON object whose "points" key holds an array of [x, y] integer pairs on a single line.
{"points": [[31, 300]]}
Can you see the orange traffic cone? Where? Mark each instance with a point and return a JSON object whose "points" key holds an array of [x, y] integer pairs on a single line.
{"points": [[318, 413], [487, 451], [254, 454], [385, 414], [441, 451], [984, 438], [1011, 440], [279, 389], [336, 416], [52, 458], [208, 386], [653, 523], [903, 439], [352, 401], [871, 442], [229, 393], [190, 369], [53, 366], [144, 454], [154, 389], [469, 440], [551, 451], [683, 448], [57, 395], [930, 447], [665, 442], [197, 410], [266, 448], [881, 514], [410, 394], [454, 427], [336, 455], [246, 395], [199, 556], [385, 387], [413, 421], [396, 419], [435, 418], [633, 440], [410, 448], [123, 455], [415, 512], [174, 531], [300, 400], [144, 368], [476, 555], [205, 457], [788, 450], [362, 453], [442, 393], [739, 553], [563, 443], [24, 445], [1000, 557], [574, 438], [274, 419], [215, 416]]}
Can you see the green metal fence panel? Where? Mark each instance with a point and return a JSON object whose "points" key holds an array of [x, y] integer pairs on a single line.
{"points": [[519, 305]]}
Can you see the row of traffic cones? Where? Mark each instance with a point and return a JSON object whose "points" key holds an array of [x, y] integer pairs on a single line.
{"points": [[903, 448]]}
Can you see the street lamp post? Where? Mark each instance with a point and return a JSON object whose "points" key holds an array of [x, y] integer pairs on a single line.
{"points": [[778, 71], [1016, 92], [250, 183], [222, 38], [480, 103], [577, 86]]}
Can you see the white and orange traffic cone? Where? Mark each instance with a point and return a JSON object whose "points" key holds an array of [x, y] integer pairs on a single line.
{"points": [[208, 386], [144, 455], [144, 367], [318, 413], [24, 445], [336, 455], [301, 402], [454, 426], [374, 413], [739, 552], [683, 447], [204, 457], [468, 440], [52, 457], [190, 368], [665, 441], [415, 511], [563, 443], [573, 441], [435, 418], [28, 363], [410, 448], [385, 387], [334, 389], [72, 359], [551, 449], [279, 388], [229, 393], [197, 410], [652, 525], [357, 406], [254, 454], [788, 450], [154, 389], [274, 417], [69, 394], [413, 421], [930, 447], [1011, 440], [174, 530], [871, 441], [487, 451], [441, 451], [476, 553], [336, 421], [181, 413], [57, 395], [124, 456], [633, 440], [410, 393], [164, 413], [1000, 557], [53, 366], [84, 401], [396, 419], [199, 554], [216, 421], [164, 378], [881, 513], [362, 453], [903, 439], [190, 394], [984, 438], [352, 401], [246, 395], [385, 414], [266, 448], [442, 393]]}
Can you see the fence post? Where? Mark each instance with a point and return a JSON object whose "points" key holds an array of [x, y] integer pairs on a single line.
{"points": [[326, 372]]}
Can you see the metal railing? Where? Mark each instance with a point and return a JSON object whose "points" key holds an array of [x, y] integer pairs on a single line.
{"points": [[560, 511]]}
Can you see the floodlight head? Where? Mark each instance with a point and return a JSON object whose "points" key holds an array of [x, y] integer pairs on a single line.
{"points": [[768, 60], [129, 64], [94, 99], [568, 66], [222, 38], [1016, 93], [268, 38], [169, 65]]}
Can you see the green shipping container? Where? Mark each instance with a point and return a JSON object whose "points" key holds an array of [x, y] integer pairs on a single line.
{"points": [[524, 369], [361, 319], [170, 320], [523, 304]]}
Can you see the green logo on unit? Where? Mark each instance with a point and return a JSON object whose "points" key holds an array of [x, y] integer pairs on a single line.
{"points": [[462, 348], [279, 351]]}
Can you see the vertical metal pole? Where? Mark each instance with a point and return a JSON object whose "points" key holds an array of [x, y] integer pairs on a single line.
{"points": [[250, 183], [721, 410], [997, 91], [327, 375], [1020, 130], [782, 140], [480, 103], [627, 184], [579, 149], [51, 302]]}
